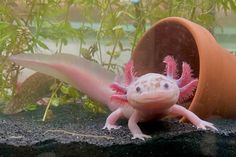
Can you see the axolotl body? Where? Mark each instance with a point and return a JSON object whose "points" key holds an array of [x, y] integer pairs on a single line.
{"points": [[153, 96], [138, 99]]}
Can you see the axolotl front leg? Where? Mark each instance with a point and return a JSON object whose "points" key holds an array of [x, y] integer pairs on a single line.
{"points": [[194, 119], [174, 110], [112, 119], [134, 118], [134, 128]]}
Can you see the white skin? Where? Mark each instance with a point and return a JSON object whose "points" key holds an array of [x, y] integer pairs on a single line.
{"points": [[149, 97]]}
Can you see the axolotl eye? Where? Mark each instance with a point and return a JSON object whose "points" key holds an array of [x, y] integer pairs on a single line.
{"points": [[166, 85], [138, 89]]}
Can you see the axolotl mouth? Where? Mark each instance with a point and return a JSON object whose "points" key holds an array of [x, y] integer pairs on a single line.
{"points": [[153, 90]]}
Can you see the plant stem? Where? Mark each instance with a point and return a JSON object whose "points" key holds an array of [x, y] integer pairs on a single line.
{"points": [[170, 7], [140, 22], [66, 20], [81, 43], [98, 38], [14, 89], [30, 12], [50, 101], [112, 54], [192, 13], [60, 46]]}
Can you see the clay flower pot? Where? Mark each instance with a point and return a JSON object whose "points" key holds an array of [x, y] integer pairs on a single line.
{"points": [[214, 66]]}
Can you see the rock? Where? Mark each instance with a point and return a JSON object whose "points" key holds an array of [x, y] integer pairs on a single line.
{"points": [[72, 131], [34, 88]]}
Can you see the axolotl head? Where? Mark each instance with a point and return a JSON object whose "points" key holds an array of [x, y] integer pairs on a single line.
{"points": [[153, 91]]}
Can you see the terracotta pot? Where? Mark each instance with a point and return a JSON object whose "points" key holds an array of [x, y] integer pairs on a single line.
{"points": [[214, 66]]}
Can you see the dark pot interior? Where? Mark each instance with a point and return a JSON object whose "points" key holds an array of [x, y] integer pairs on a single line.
{"points": [[165, 38]]}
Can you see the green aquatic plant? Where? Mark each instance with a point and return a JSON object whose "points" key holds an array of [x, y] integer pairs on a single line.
{"points": [[26, 25]]}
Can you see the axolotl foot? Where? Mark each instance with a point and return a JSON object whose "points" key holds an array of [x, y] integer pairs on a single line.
{"points": [[111, 126], [112, 118], [140, 136], [206, 125]]}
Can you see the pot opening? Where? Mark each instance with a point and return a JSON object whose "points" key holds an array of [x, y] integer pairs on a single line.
{"points": [[166, 38]]}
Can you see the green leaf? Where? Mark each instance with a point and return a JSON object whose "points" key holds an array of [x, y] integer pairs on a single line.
{"points": [[41, 44], [73, 92], [233, 5], [117, 27], [115, 54], [64, 89], [92, 106], [31, 107], [3, 25], [56, 101], [120, 45], [4, 39], [129, 15], [206, 19], [85, 53]]}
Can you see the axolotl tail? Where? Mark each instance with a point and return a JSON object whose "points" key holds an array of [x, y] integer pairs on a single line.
{"points": [[88, 77]]}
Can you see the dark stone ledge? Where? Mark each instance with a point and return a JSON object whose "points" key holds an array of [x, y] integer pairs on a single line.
{"points": [[72, 131]]}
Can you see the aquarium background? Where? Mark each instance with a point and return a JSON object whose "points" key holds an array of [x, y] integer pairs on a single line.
{"points": [[102, 31], [68, 122]]}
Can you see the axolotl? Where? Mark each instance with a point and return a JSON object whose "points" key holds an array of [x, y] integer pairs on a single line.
{"points": [[138, 99], [153, 96]]}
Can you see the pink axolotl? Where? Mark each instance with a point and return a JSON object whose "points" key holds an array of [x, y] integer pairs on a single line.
{"points": [[138, 99], [152, 96]]}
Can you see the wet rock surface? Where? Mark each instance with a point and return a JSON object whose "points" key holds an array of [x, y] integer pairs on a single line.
{"points": [[72, 131]]}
